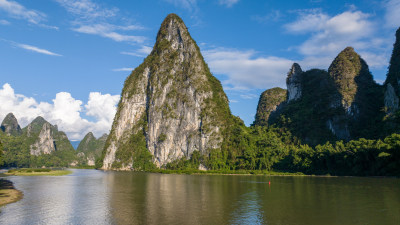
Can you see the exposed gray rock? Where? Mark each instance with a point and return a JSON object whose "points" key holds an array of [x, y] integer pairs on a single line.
{"points": [[45, 143], [169, 98], [293, 83], [391, 99]]}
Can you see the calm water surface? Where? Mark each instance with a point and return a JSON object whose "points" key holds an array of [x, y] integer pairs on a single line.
{"points": [[96, 197]]}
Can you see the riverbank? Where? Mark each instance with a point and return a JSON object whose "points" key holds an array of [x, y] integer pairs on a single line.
{"points": [[8, 193], [37, 172]]}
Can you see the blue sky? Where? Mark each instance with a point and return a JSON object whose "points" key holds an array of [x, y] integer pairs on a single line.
{"points": [[67, 60]]}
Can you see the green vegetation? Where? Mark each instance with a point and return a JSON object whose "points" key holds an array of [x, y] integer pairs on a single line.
{"points": [[268, 103], [261, 150], [37, 172], [16, 148], [90, 148], [1, 154]]}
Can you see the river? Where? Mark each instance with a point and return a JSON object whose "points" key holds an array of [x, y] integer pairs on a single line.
{"points": [[97, 197]]}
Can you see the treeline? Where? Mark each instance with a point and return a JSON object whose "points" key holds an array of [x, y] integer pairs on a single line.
{"points": [[275, 149]]}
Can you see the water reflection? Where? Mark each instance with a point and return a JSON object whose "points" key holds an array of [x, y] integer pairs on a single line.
{"points": [[95, 197]]}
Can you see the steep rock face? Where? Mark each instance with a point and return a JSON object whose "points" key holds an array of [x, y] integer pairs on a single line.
{"points": [[268, 103], [392, 83], [293, 83], [45, 143], [10, 125], [44, 138], [391, 99], [171, 104]]}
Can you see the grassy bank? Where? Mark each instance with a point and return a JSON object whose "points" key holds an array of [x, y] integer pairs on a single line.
{"points": [[8, 194], [37, 172]]}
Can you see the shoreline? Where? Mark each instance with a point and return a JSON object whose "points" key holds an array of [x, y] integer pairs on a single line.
{"points": [[8, 193]]}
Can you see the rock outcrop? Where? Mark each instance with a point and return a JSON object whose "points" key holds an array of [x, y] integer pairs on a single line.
{"points": [[171, 105], [10, 125], [341, 104], [269, 102], [45, 143], [44, 138], [293, 83], [392, 83]]}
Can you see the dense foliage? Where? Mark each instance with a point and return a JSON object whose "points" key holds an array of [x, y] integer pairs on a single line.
{"points": [[17, 147], [272, 149], [268, 103]]}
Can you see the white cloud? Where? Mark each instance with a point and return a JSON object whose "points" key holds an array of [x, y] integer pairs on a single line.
{"points": [[109, 31], [4, 22], [228, 3], [65, 111], [18, 11], [86, 9], [36, 49], [142, 52], [244, 70], [331, 34], [123, 69], [392, 15], [272, 16], [92, 18]]}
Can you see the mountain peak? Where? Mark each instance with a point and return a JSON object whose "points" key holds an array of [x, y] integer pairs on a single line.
{"points": [[172, 33], [350, 73], [10, 125]]}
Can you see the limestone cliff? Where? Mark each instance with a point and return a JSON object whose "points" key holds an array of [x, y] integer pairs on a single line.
{"points": [[268, 104], [171, 105], [10, 125], [45, 143], [341, 104], [392, 83], [293, 83], [44, 138]]}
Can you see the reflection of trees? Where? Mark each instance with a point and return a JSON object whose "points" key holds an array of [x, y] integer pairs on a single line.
{"points": [[145, 198]]}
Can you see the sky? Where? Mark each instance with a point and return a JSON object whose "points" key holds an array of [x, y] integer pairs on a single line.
{"points": [[67, 60]]}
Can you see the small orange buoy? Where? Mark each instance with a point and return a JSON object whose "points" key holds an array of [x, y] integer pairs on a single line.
{"points": [[269, 182]]}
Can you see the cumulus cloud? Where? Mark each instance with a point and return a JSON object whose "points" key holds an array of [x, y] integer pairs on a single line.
{"points": [[228, 3], [246, 70], [392, 15], [331, 34], [65, 111]]}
